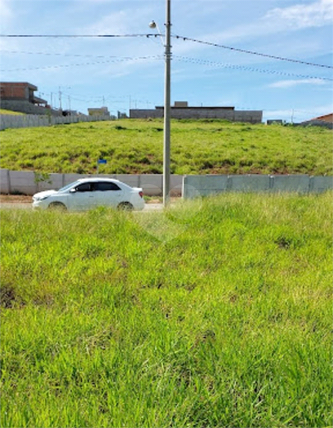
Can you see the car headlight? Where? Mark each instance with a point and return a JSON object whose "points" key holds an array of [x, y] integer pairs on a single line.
{"points": [[41, 198]]}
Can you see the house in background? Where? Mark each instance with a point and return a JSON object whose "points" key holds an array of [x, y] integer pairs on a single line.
{"points": [[102, 111], [326, 121], [20, 96]]}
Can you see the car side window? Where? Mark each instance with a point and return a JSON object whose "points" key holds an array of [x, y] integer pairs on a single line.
{"points": [[84, 187], [103, 186]]}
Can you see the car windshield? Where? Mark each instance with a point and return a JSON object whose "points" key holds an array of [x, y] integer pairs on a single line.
{"points": [[63, 189]]}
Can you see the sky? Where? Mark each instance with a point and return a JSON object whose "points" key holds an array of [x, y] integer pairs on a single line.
{"points": [[128, 72]]}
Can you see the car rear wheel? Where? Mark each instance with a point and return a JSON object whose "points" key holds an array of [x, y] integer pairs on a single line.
{"points": [[57, 206], [125, 206]]}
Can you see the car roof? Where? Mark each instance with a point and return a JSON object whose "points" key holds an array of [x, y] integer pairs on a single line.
{"points": [[83, 180]]}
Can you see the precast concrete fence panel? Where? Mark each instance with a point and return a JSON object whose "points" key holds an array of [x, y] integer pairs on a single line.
{"points": [[291, 183], [70, 178], [129, 179], [151, 184], [51, 181], [4, 181], [249, 183], [176, 184], [35, 120], [22, 182], [190, 186], [29, 183], [203, 185], [320, 184]]}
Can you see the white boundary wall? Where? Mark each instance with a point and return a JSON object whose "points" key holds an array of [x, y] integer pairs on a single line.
{"points": [[35, 120], [29, 183], [203, 185], [189, 186]]}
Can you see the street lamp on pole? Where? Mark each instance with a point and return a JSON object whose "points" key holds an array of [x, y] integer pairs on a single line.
{"points": [[167, 108]]}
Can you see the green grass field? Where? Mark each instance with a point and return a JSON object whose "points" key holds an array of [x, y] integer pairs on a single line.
{"points": [[10, 112], [217, 313], [198, 147]]}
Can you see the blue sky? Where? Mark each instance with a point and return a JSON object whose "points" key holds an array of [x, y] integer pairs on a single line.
{"points": [[123, 73]]}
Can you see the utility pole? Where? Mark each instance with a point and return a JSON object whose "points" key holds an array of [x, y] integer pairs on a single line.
{"points": [[60, 106], [167, 108]]}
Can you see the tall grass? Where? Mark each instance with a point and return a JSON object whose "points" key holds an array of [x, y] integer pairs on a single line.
{"points": [[223, 319], [198, 147]]}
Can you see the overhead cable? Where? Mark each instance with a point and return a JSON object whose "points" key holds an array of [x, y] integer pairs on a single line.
{"points": [[246, 68], [77, 36], [175, 36], [117, 60], [280, 58], [177, 58]]}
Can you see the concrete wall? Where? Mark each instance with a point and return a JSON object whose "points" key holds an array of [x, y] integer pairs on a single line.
{"points": [[145, 113], [28, 121], [29, 183], [249, 116], [203, 185], [190, 186], [315, 122], [26, 107]]}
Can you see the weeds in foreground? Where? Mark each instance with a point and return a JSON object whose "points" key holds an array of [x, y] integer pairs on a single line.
{"points": [[105, 324]]}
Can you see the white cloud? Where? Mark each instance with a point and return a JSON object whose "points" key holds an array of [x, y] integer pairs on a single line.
{"points": [[278, 20], [292, 83], [299, 16], [6, 13], [115, 23]]}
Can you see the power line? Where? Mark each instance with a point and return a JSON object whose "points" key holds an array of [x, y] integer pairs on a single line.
{"points": [[160, 57], [246, 68], [73, 36], [185, 38], [57, 54], [280, 58], [117, 60]]}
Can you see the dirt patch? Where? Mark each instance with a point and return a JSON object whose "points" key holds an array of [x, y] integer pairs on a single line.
{"points": [[15, 199]]}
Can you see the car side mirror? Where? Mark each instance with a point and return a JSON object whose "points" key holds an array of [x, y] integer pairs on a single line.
{"points": [[72, 191]]}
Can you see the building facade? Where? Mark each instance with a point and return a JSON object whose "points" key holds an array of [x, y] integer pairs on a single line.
{"points": [[102, 111], [181, 110], [20, 96]]}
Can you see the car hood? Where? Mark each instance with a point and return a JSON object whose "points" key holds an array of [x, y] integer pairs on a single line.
{"points": [[44, 194]]}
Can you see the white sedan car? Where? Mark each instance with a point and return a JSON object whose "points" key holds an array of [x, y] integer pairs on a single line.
{"points": [[87, 193]]}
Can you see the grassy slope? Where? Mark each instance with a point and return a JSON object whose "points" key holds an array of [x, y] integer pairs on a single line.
{"points": [[198, 147], [11, 112], [108, 322]]}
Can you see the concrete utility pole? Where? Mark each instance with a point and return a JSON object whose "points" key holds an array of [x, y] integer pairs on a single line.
{"points": [[60, 104], [167, 108]]}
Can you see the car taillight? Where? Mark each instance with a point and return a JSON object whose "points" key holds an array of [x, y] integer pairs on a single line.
{"points": [[141, 194]]}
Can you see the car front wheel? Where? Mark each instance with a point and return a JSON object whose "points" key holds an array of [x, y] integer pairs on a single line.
{"points": [[125, 206], [58, 206]]}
